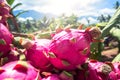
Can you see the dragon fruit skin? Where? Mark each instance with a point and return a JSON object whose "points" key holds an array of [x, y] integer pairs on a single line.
{"points": [[70, 48], [19, 70], [117, 69], [4, 14], [37, 54], [102, 69], [3, 1], [95, 70], [115, 74], [88, 74], [6, 37], [64, 75], [52, 77], [13, 55]]}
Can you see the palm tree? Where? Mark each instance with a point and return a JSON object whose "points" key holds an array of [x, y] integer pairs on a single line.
{"points": [[117, 4], [13, 20], [101, 18], [45, 22]]}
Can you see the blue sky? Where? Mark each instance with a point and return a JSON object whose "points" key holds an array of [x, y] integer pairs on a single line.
{"points": [[68, 7]]}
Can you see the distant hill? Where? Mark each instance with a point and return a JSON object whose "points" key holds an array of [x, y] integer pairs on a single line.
{"points": [[31, 13], [39, 15]]}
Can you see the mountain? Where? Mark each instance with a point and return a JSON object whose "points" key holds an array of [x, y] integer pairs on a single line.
{"points": [[39, 15], [30, 13]]}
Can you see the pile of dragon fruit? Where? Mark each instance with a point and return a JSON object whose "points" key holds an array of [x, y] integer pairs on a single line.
{"points": [[63, 57]]}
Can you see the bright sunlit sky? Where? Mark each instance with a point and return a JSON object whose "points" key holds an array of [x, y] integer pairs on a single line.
{"points": [[68, 7]]}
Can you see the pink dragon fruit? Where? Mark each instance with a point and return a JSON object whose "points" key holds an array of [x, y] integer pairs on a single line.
{"points": [[4, 14], [87, 74], [71, 47], [36, 53], [102, 69], [95, 70], [13, 55], [57, 76], [3, 1], [52, 77], [115, 74], [19, 70], [64, 75], [5, 40]]}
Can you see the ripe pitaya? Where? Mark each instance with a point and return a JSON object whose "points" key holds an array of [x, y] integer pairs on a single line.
{"points": [[3, 1], [64, 75], [71, 47], [36, 53], [5, 40], [115, 74], [102, 69], [4, 14], [13, 55], [18, 70], [87, 74], [57, 76], [95, 70], [52, 77]]}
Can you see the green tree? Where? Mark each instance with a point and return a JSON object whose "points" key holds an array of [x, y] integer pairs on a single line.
{"points": [[101, 18], [117, 4], [13, 20], [45, 22]]}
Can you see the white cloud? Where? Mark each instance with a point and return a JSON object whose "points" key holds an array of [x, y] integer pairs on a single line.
{"points": [[85, 20], [58, 7], [21, 19], [92, 20], [30, 18], [24, 19], [107, 11], [78, 7]]}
